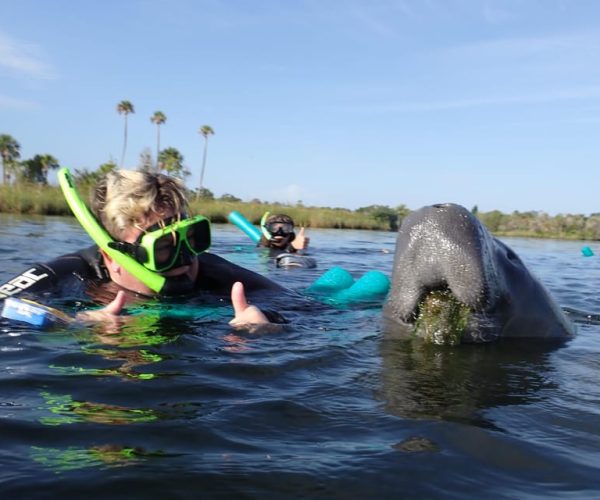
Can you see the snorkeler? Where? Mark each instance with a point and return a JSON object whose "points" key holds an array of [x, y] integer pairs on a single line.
{"points": [[147, 243], [278, 234]]}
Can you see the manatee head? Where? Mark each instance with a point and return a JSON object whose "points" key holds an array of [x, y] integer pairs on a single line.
{"points": [[454, 282]]}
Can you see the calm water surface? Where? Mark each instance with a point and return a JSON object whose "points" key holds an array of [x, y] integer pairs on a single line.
{"points": [[175, 404]]}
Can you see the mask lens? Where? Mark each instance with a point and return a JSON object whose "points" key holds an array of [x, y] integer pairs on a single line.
{"points": [[165, 244], [280, 228], [198, 236], [165, 250]]}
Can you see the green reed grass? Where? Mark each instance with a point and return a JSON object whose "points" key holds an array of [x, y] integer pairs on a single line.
{"points": [[48, 200], [32, 199], [217, 211]]}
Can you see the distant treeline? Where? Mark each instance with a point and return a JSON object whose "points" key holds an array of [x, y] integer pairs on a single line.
{"points": [[24, 198], [541, 225], [27, 198]]}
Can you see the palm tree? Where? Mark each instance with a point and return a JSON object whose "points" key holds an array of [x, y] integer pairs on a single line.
{"points": [[10, 150], [48, 162], [124, 107], [205, 131], [159, 118], [172, 161], [36, 169]]}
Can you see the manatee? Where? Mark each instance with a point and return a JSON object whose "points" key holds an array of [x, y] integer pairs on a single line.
{"points": [[453, 282]]}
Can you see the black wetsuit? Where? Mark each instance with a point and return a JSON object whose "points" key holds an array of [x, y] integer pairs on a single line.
{"points": [[274, 250], [80, 269], [287, 256]]}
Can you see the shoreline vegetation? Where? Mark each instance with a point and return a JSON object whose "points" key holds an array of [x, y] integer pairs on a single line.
{"points": [[25, 190], [39, 199]]}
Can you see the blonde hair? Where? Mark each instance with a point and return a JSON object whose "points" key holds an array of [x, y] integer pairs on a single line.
{"points": [[125, 198]]}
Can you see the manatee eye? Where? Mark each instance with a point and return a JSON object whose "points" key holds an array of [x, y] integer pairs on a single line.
{"points": [[512, 255]]}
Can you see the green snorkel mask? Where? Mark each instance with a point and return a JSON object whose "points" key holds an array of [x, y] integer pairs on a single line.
{"points": [[159, 247], [147, 256]]}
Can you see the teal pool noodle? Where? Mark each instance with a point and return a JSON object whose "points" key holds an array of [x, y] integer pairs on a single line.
{"points": [[333, 280], [373, 285], [244, 224]]}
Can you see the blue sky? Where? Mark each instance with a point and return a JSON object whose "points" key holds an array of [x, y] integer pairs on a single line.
{"points": [[339, 103]]}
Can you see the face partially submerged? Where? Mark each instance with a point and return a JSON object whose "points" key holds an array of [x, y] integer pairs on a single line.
{"points": [[184, 270]]}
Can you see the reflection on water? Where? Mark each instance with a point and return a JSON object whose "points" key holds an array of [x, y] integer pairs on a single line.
{"points": [[67, 411], [169, 401], [421, 380], [72, 458]]}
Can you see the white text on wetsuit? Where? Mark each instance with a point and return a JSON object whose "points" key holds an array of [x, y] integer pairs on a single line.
{"points": [[20, 283]]}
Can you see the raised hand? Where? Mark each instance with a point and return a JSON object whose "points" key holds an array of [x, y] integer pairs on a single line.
{"points": [[301, 241], [244, 313]]}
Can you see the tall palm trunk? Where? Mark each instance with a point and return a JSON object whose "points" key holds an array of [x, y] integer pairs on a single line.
{"points": [[124, 107], [157, 168], [124, 142], [203, 162], [205, 131]]}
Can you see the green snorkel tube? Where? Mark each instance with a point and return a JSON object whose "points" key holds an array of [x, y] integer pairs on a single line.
{"points": [[263, 221], [152, 280]]}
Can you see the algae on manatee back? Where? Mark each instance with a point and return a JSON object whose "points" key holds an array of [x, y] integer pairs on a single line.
{"points": [[442, 318]]}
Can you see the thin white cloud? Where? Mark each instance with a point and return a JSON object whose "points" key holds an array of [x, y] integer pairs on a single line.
{"points": [[374, 22], [566, 94], [24, 59], [496, 13], [580, 45], [14, 103]]}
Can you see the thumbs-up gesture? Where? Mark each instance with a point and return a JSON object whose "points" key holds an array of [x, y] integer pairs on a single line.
{"points": [[301, 241], [244, 313]]}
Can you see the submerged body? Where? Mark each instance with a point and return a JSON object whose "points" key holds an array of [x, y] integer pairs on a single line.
{"points": [[83, 274], [454, 282]]}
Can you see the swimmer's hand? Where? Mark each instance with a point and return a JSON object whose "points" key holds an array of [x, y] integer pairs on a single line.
{"points": [[248, 317], [109, 312], [300, 241], [244, 313]]}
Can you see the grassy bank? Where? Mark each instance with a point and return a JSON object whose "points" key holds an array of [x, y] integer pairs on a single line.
{"points": [[48, 200]]}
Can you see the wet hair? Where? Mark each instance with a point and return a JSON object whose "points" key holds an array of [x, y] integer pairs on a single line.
{"points": [[285, 219], [125, 198]]}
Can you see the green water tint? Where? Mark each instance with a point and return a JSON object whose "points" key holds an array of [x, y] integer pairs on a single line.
{"points": [[143, 326], [139, 357], [67, 411], [442, 319], [103, 372], [73, 458]]}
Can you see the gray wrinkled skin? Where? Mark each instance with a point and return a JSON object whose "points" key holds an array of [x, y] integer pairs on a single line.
{"points": [[446, 247]]}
